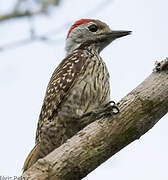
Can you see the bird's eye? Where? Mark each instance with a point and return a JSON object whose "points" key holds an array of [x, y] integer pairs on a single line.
{"points": [[93, 28]]}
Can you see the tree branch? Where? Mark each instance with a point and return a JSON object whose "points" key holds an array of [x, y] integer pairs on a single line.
{"points": [[140, 110], [17, 14]]}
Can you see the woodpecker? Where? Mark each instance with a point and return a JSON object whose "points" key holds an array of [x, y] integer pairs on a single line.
{"points": [[78, 86]]}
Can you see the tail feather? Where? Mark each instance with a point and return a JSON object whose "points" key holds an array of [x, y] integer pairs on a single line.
{"points": [[31, 158]]}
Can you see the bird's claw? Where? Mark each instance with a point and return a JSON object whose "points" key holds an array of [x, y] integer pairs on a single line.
{"points": [[111, 108], [108, 110], [110, 103]]}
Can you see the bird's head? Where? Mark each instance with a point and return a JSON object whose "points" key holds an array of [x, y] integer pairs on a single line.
{"points": [[91, 32]]}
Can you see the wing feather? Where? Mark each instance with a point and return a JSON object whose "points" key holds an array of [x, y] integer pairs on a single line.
{"points": [[62, 80]]}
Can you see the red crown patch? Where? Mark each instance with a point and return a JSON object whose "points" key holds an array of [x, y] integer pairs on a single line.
{"points": [[77, 23]]}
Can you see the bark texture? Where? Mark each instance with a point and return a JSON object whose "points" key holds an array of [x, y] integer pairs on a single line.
{"points": [[140, 110]]}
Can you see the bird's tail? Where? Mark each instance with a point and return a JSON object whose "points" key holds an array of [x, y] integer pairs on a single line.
{"points": [[31, 158]]}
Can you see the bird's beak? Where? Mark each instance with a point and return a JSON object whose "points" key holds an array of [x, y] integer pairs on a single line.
{"points": [[118, 34], [108, 37]]}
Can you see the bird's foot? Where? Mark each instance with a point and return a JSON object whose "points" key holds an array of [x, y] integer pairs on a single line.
{"points": [[111, 108], [161, 66], [107, 110]]}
